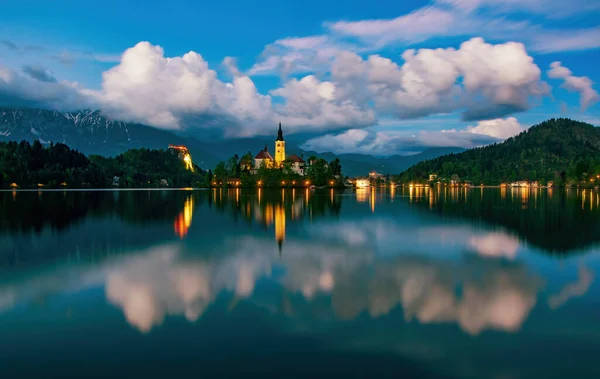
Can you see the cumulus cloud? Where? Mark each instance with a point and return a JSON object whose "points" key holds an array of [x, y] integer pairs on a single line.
{"points": [[316, 103], [484, 80], [148, 87], [183, 92], [579, 84]]}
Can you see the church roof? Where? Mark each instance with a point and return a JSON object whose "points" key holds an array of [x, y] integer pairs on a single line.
{"points": [[295, 158], [263, 154], [279, 134]]}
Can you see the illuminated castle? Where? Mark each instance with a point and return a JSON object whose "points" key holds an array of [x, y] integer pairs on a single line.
{"points": [[185, 155]]}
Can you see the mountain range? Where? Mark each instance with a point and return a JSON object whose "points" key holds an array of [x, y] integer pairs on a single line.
{"points": [[91, 133]]}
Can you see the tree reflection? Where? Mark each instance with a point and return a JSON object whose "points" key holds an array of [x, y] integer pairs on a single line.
{"points": [[557, 221]]}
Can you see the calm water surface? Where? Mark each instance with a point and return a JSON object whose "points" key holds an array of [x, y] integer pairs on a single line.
{"points": [[479, 283]]}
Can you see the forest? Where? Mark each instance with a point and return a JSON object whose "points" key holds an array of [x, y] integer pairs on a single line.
{"points": [[27, 165], [563, 151], [32, 165]]}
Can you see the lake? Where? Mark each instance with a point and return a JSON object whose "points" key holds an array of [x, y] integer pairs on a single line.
{"points": [[405, 283]]}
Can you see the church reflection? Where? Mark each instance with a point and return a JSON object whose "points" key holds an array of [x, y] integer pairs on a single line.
{"points": [[269, 209]]}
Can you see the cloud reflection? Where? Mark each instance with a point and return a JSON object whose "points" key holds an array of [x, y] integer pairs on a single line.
{"points": [[495, 245], [473, 292], [490, 295], [585, 277]]}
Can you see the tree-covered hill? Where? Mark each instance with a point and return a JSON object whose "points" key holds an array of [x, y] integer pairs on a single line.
{"points": [[56, 165], [560, 150]]}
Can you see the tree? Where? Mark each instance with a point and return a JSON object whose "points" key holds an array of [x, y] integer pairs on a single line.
{"points": [[247, 162], [336, 167], [221, 172]]}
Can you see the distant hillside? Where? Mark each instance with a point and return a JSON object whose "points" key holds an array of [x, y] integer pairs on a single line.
{"points": [[33, 165], [91, 133], [561, 150], [361, 164]]}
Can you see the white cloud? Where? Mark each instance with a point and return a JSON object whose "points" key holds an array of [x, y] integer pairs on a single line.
{"points": [[309, 101], [552, 41], [417, 26], [173, 93], [498, 128], [150, 88], [547, 7], [484, 80], [579, 84]]}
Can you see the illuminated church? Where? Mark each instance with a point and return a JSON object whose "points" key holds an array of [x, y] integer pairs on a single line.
{"points": [[264, 157]]}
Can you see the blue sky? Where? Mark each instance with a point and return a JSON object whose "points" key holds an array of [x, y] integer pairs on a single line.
{"points": [[340, 74]]}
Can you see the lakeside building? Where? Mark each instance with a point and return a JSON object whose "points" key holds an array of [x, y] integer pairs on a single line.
{"points": [[297, 164], [375, 175], [362, 183], [520, 184]]}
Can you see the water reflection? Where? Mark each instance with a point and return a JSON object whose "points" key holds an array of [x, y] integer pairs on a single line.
{"points": [[416, 269], [184, 218], [167, 280]]}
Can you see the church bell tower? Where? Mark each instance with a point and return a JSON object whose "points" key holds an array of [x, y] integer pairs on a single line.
{"points": [[279, 148]]}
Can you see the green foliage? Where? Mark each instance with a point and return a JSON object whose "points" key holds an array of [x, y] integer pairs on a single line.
{"points": [[559, 150], [57, 165]]}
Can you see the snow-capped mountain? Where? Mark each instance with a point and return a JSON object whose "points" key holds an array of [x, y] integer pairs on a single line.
{"points": [[88, 131]]}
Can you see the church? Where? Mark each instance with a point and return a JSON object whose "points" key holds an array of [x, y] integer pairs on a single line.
{"points": [[264, 157]]}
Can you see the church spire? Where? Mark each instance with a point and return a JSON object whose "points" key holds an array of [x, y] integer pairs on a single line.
{"points": [[279, 133]]}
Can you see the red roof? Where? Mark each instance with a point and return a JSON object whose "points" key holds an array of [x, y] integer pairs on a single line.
{"points": [[264, 154], [296, 159]]}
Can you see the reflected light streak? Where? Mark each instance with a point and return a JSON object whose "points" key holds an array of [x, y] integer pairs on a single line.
{"points": [[184, 220], [361, 195], [373, 200], [279, 226]]}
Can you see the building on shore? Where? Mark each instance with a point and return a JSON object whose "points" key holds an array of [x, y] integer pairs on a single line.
{"points": [[297, 164], [279, 148], [362, 183], [263, 157], [520, 184]]}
